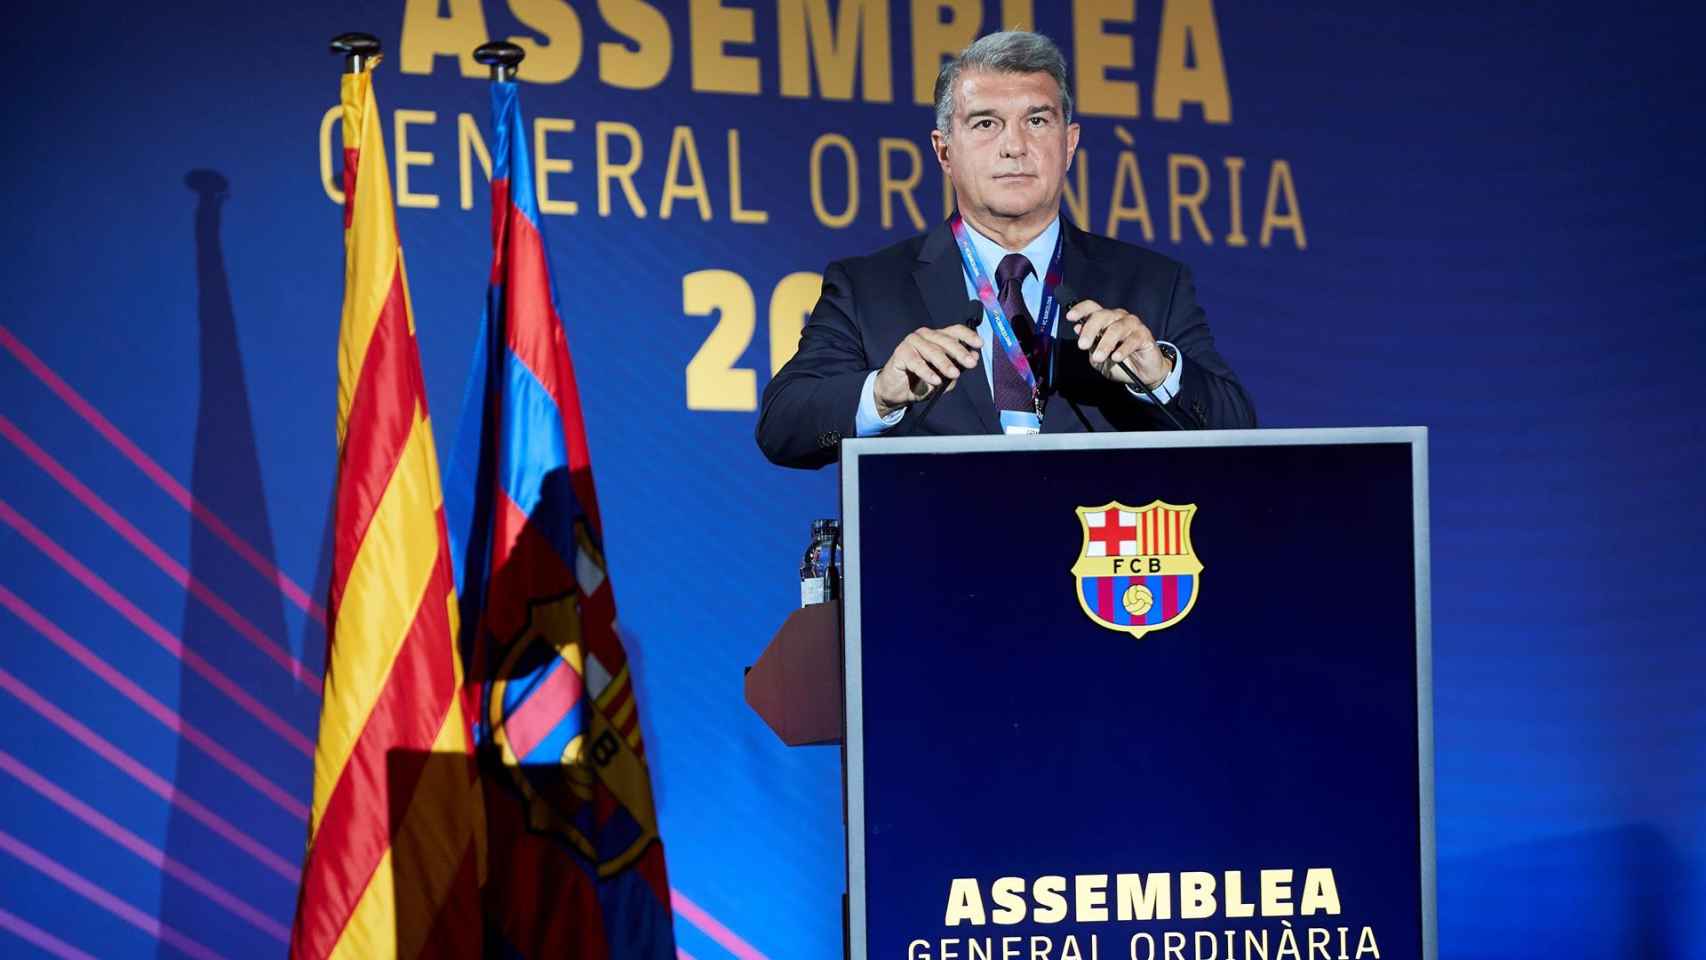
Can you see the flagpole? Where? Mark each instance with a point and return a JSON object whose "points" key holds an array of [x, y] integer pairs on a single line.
{"points": [[504, 59], [360, 50]]}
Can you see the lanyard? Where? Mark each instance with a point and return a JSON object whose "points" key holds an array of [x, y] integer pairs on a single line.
{"points": [[997, 317]]}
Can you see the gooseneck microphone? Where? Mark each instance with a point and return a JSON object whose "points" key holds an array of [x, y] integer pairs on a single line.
{"points": [[1069, 298], [974, 313], [973, 317]]}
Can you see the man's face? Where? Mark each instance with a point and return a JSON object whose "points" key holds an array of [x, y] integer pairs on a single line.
{"points": [[1010, 146]]}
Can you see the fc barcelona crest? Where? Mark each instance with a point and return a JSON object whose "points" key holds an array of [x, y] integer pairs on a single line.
{"points": [[1137, 571], [565, 725]]}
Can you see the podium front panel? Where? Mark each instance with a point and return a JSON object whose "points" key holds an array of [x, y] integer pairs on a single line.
{"points": [[1152, 695]]}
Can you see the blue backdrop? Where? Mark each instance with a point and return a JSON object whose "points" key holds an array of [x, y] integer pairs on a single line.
{"points": [[1483, 219]]}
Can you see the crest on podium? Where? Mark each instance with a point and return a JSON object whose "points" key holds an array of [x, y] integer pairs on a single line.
{"points": [[1137, 570]]}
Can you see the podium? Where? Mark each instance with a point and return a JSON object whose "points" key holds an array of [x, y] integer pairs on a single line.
{"points": [[1127, 695]]}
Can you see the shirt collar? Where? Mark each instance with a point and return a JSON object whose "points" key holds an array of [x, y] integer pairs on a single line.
{"points": [[1038, 251]]}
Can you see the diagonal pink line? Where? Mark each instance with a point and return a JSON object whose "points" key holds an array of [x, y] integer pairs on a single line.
{"points": [[290, 588], [154, 630], [146, 777], [708, 924], [152, 551], [681, 954], [152, 706], [40, 938], [101, 898], [142, 848]]}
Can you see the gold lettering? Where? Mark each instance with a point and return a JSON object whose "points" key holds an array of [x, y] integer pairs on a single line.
{"points": [[469, 141], [845, 217], [887, 185], [1279, 181], [935, 40], [408, 159], [559, 56], [1017, 15], [1096, 52], [1188, 31], [426, 35], [544, 164], [713, 381], [713, 27], [328, 170], [1128, 179], [1193, 201], [790, 302], [622, 173], [681, 145], [645, 66], [737, 212], [1235, 201], [862, 27]]}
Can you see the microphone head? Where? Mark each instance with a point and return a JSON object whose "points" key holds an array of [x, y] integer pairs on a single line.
{"points": [[974, 312], [1067, 296]]}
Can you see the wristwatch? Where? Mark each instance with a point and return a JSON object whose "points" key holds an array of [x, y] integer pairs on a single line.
{"points": [[1172, 356]]}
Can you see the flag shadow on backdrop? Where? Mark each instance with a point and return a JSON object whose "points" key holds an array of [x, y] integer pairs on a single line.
{"points": [[226, 481]]}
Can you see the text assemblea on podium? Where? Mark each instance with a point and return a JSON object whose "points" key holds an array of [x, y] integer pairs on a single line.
{"points": [[1027, 911]]}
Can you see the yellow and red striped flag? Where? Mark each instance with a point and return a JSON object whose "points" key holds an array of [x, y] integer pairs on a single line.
{"points": [[392, 859]]}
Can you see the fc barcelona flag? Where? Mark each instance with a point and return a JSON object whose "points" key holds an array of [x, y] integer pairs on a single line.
{"points": [[392, 863], [575, 867]]}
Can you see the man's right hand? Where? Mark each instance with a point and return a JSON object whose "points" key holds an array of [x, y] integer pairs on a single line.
{"points": [[927, 361]]}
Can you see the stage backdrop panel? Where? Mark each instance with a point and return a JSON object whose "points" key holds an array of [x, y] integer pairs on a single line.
{"points": [[1482, 219]]}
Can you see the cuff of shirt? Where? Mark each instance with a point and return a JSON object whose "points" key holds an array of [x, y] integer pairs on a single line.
{"points": [[1168, 389], [866, 423]]}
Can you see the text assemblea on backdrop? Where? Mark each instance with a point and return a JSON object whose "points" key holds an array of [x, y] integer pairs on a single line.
{"points": [[725, 53]]}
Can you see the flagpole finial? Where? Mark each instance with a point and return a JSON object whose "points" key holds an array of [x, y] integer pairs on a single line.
{"points": [[210, 184], [504, 58], [360, 50]]}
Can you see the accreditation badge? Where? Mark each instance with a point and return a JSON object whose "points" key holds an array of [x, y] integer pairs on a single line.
{"points": [[1020, 423]]}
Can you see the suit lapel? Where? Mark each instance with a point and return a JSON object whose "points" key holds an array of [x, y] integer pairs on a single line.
{"points": [[1078, 269], [941, 281]]}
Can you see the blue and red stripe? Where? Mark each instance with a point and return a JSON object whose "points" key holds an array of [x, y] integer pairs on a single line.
{"points": [[1104, 595], [523, 511]]}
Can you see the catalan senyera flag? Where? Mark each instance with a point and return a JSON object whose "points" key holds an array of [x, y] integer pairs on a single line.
{"points": [[392, 863], [575, 867]]}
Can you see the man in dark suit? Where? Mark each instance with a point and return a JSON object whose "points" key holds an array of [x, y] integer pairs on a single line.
{"points": [[897, 331]]}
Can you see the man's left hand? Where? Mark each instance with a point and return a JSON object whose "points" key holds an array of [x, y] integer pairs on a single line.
{"points": [[1113, 335]]}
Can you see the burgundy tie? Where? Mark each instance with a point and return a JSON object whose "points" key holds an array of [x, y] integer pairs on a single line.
{"points": [[1010, 390]]}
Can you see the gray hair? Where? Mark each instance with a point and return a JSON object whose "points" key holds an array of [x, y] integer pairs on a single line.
{"points": [[1011, 51]]}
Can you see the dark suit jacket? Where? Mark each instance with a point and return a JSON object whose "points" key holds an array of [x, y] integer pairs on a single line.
{"points": [[869, 304]]}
